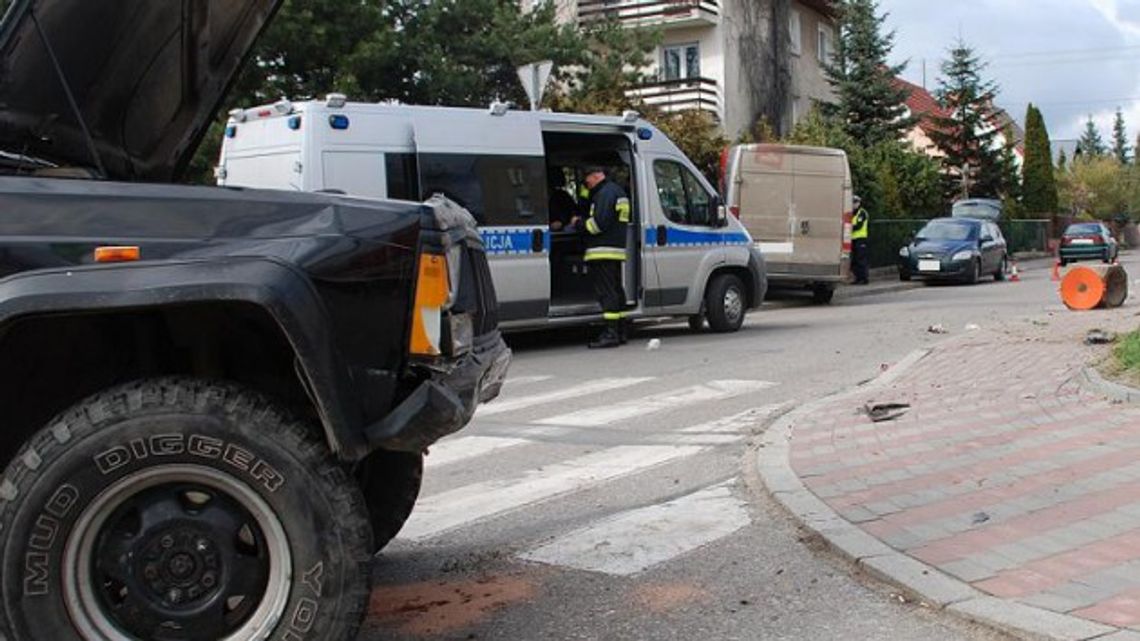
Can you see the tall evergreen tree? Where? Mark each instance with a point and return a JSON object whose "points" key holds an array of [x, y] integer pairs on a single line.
{"points": [[868, 102], [968, 136], [1039, 190], [1090, 145], [1120, 148]]}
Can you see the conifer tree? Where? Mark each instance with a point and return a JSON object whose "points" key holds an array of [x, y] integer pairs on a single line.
{"points": [[1120, 148], [1039, 189], [968, 135], [871, 106], [1090, 145]]}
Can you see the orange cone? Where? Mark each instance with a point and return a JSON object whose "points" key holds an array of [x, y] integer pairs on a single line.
{"points": [[1014, 276]]}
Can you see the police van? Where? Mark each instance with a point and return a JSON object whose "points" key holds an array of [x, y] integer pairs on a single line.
{"points": [[518, 172]]}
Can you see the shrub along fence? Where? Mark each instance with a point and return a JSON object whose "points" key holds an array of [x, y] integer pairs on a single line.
{"points": [[887, 236]]}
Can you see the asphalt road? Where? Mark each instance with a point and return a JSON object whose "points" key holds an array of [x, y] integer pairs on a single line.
{"points": [[612, 495]]}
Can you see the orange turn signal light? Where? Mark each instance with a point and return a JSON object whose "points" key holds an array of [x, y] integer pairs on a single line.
{"points": [[117, 254], [433, 288]]}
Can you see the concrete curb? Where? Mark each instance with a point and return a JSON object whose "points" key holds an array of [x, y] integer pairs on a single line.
{"points": [[852, 291], [1092, 379], [916, 579]]}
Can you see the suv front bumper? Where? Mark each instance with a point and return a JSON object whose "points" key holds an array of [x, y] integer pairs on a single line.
{"points": [[446, 402]]}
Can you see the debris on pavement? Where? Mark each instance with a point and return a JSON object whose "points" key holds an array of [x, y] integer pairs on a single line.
{"points": [[937, 329], [653, 344], [885, 411], [1099, 337], [971, 327], [980, 517]]}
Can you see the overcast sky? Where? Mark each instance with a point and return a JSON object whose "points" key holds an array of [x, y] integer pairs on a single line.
{"points": [[1071, 58]]}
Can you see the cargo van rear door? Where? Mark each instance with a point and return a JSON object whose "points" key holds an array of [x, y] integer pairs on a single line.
{"points": [[495, 167]]}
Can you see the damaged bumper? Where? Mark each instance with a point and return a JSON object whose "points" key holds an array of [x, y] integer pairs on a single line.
{"points": [[446, 402]]}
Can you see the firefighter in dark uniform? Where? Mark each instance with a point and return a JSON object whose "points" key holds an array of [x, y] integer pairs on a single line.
{"points": [[860, 252], [604, 231]]}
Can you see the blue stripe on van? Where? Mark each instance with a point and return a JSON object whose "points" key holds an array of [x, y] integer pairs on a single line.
{"points": [[511, 241], [687, 238]]}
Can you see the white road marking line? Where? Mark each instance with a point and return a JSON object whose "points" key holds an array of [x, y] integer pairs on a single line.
{"points": [[445, 511], [634, 541], [464, 505], [525, 380], [458, 449], [612, 413], [593, 387]]}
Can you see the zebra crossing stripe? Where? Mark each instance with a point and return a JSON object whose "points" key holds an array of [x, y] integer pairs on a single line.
{"points": [[458, 449], [452, 509], [514, 381], [448, 510], [501, 406], [614, 412], [636, 540]]}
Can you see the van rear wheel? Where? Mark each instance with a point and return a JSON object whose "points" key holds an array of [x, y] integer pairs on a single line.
{"points": [[726, 303]]}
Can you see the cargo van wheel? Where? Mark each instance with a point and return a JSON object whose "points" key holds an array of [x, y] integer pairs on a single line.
{"points": [[822, 294], [697, 322], [726, 302]]}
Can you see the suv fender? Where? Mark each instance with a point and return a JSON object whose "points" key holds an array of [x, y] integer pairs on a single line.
{"points": [[280, 289]]}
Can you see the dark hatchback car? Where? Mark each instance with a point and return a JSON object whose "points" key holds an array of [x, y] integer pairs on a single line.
{"points": [[1084, 241], [961, 249]]}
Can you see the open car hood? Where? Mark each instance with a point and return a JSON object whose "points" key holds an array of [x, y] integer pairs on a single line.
{"points": [[147, 76]]}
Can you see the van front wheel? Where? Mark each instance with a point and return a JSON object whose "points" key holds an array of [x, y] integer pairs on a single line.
{"points": [[726, 303]]}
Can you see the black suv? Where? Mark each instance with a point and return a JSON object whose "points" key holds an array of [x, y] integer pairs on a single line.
{"points": [[215, 401]]}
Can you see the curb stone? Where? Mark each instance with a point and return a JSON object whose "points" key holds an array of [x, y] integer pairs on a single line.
{"points": [[913, 577], [1093, 379]]}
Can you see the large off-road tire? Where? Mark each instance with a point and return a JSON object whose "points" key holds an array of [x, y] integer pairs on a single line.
{"points": [[391, 484], [180, 509], [726, 303]]}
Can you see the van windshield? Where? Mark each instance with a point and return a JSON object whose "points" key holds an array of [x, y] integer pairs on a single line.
{"points": [[945, 230]]}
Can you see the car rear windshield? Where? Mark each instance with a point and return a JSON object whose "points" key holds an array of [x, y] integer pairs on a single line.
{"points": [[1082, 228], [947, 231]]}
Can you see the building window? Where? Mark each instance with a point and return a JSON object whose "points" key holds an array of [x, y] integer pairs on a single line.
{"points": [[682, 62], [795, 31], [825, 50]]}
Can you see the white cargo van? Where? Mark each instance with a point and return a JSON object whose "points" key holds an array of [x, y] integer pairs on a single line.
{"points": [[796, 202], [686, 256]]}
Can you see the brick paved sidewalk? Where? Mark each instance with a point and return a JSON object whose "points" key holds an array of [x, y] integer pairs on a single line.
{"points": [[1005, 472]]}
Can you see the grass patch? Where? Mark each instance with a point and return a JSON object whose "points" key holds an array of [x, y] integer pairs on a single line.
{"points": [[1127, 353]]}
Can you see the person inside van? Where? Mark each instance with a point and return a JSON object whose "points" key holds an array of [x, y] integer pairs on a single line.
{"points": [[563, 208]]}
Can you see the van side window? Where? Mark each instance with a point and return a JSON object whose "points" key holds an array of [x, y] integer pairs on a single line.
{"points": [[402, 178], [497, 190], [682, 197]]}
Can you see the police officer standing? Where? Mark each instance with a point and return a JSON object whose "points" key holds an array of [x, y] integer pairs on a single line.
{"points": [[860, 252], [604, 230]]}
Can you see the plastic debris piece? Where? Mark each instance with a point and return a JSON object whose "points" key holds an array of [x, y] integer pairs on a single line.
{"points": [[972, 327], [1099, 337], [653, 344], [937, 329], [885, 411]]}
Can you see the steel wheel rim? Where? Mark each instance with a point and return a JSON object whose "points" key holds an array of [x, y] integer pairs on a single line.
{"points": [[81, 597], [733, 305]]}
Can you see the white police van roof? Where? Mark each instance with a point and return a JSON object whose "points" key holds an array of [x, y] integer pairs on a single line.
{"points": [[495, 130]]}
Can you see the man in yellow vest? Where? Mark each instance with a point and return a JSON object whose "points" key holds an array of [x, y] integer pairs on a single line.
{"points": [[860, 252]]}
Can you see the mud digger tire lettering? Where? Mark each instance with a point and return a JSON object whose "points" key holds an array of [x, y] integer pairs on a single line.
{"points": [[148, 491]]}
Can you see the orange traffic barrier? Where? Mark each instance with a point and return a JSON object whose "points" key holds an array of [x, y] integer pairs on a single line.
{"points": [[1088, 287]]}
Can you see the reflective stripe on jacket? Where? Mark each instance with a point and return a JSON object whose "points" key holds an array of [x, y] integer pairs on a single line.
{"points": [[607, 225]]}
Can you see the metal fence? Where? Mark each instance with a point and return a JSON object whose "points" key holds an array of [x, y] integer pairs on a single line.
{"points": [[887, 236]]}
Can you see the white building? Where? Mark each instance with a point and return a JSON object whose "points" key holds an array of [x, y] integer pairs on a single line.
{"points": [[722, 56]]}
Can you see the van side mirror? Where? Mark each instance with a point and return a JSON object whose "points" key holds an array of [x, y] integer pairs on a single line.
{"points": [[718, 213]]}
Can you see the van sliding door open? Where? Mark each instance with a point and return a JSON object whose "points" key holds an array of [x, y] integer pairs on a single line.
{"points": [[495, 168]]}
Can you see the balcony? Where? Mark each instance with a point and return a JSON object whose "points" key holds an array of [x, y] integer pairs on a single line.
{"points": [[683, 94], [659, 13]]}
